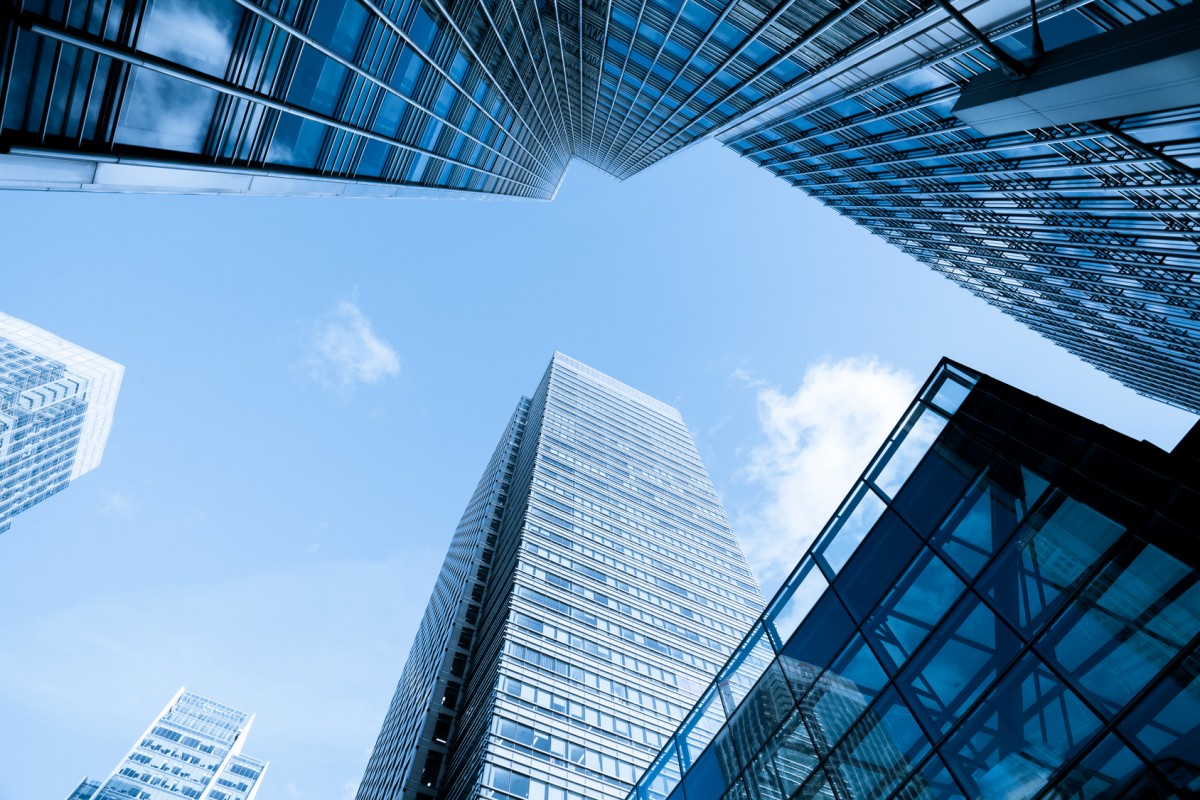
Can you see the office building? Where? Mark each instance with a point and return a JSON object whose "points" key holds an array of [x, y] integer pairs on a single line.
{"points": [[193, 749], [1067, 197], [1049, 169], [56, 409], [1006, 605], [591, 590]]}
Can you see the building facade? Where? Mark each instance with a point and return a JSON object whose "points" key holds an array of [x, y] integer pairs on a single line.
{"points": [[56, 410], [1077, 216], [589, 592], [1006, 605], [193, 750], [1085, 226]]}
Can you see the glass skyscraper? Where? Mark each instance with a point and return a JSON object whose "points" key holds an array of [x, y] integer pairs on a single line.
{"points": [[1052, 170], [192, 750], [1005, 607], [590, 592], [56, 409], [1085, 226]]}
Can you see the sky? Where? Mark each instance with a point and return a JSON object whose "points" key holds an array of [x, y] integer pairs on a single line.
{"points": [[313, 387]]}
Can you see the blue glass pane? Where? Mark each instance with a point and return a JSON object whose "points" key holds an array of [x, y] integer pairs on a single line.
{"points": [[1166, 723], [858, 665], [848, 528], [931, 782], [761, 781], [913, 606], [1028, 725], [1029, 578], [933, 486], [786, 761], [338, 24], [1102, 643], [700, 727], [760, 714], [794, 601], [705, 780], [822, 633], [1107, 771], [879, 751], [948, 392], [946, 677], [985, 516], [902, 454], [876, 564]]}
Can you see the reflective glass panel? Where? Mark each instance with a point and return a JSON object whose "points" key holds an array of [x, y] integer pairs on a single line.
{"points": [[904, 452], [1101, 641], [760, 714], [949, 391], [1025, 727], [1101, 773], [699, 728], [823, 632], [1027, 581], [852, 523], [662, 776], [798, 596], [1166, 723], [913, 606], [933, 486], [883, 747], [946, 677], [984, 517], [790, 754], [876, 564]]}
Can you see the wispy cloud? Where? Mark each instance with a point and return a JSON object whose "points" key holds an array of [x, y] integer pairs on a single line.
{"points": [[817, 440], [345, 351], [117, 504]]}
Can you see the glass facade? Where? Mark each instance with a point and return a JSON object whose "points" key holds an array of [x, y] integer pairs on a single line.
{"points": [[191, 750], [1006, 606], [56, 409], [590, 591], [1086, 231]]}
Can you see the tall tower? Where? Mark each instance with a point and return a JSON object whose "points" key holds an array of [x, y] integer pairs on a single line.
{"points": [[56, 409], [1002, 144], [591, 590], [193, 749]]}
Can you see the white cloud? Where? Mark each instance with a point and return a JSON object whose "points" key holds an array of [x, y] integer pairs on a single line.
{"points": [[118, 505], [345, 351], [817, 442]]}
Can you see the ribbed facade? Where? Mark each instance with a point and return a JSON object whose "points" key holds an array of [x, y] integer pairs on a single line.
{"points": [[612, 587], [56, 410]]}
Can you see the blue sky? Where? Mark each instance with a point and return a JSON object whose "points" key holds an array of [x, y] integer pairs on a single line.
{"points": [[313, 386]]}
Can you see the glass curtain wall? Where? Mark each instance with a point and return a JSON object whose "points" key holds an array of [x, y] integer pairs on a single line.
{"points": [[1006, 605]]}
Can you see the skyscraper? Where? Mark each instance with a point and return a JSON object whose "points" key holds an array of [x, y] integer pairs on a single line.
{"points": [[1077, 216], [56, 409], [1006, 605], [589, 592], [193, 749]]}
